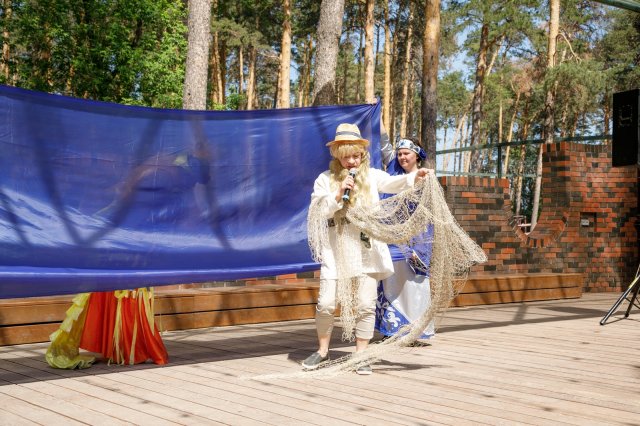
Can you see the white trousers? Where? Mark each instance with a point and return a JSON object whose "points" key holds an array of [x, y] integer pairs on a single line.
{"points": [[326, 307]]}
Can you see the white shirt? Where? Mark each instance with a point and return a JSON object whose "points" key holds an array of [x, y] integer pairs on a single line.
{"points": [[376, 261]]}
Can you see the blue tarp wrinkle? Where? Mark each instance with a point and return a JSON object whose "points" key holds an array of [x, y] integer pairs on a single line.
{"points": [[97, 196]]}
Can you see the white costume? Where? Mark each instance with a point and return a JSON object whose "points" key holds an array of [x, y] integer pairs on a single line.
{"points": [[374, 260], [402, 299]]}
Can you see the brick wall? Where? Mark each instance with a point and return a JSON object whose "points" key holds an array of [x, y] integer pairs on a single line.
{"points": [[586, 225], [579, 188]]}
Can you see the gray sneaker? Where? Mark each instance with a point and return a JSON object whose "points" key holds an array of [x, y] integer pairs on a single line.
{"points": [[364, 370], [313, 361]]}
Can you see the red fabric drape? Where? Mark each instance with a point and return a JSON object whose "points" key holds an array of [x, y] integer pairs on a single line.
{"points": [[136, 333]]}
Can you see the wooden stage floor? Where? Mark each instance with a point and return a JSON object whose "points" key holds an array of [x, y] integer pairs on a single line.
{"points": [[534, 363]]}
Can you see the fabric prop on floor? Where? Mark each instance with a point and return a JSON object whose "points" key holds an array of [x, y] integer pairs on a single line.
{"points": [[119, 325]]}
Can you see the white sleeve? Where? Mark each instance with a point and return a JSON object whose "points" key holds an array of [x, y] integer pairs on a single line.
{"points": [[324, 197], [385, 183]]}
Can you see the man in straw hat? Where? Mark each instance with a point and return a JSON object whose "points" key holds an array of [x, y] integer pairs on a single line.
{"points": [[352, 262]]}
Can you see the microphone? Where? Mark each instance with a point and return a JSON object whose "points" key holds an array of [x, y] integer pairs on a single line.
{"points": [[352, 173]]}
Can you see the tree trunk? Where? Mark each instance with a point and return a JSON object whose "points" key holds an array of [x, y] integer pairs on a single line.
{"points": [[369, 68], [478, 91], [430, 49], [500, 131], [563, 121], [6, 36], [307, 71], [536, 190], [251, 77], [576, 120], [394, 66], [505, 167], [359, 76], [342, 95], [406, 73], [467, 141], [213, 69], [458, 141], [413, 122], [369, 55], [216, 95], [375, 53], [484, 154], [329, 30], [549, 104], [240, 70], [303, 79], [386, 98], [445, 162], [606, 109], [564, 117], [195, 79], [299, 89], [284, 76], [222, 75], [494, 55], [523, 152], [301, 75], [519, 179]]}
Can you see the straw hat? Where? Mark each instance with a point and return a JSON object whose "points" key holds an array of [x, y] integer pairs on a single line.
{"points": [[348, 134]]}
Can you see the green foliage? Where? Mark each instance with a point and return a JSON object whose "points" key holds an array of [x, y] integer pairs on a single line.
{"points": [[235, 100], [453, 97], [619, 51], [232, 103], [133, 51], [128, 51]]}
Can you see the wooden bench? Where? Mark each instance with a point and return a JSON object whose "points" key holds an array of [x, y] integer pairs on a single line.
{"points": [[31, 320], [491, 289]]}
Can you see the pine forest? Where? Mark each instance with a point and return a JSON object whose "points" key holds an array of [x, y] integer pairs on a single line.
{"points": [[452, 74]]}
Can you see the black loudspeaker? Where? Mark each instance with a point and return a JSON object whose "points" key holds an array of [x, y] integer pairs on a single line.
{"points": [[626, 128]]}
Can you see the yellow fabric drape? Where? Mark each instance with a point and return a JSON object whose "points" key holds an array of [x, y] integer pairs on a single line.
{"points": [[63, 352]]}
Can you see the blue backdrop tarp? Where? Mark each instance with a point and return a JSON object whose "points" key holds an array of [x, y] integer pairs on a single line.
{"points": [[97, 196]]}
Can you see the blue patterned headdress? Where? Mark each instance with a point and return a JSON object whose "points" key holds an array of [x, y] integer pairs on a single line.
{"points": [[408, 144]]}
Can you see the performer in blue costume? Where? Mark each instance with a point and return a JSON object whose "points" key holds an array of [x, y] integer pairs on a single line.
{"points": [[404, 297]]}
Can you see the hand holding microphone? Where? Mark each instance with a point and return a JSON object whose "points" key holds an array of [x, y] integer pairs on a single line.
{"points": [[347, 191]]}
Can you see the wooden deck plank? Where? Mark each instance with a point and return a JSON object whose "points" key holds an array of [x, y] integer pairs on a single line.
{"points": [[10, 419], [577, 421], [70, 410], [463, 405], [261, 410], [116, 405], [546, 362], [381, 407], [31, 406], [360, 401], [520, 387], [114, 378], [266, 395]]}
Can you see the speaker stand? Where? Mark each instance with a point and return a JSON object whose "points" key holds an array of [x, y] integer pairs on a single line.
{"points": [[633, 287]]}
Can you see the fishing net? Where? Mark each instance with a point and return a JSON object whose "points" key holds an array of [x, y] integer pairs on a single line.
{"points": [[403, 220]]}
